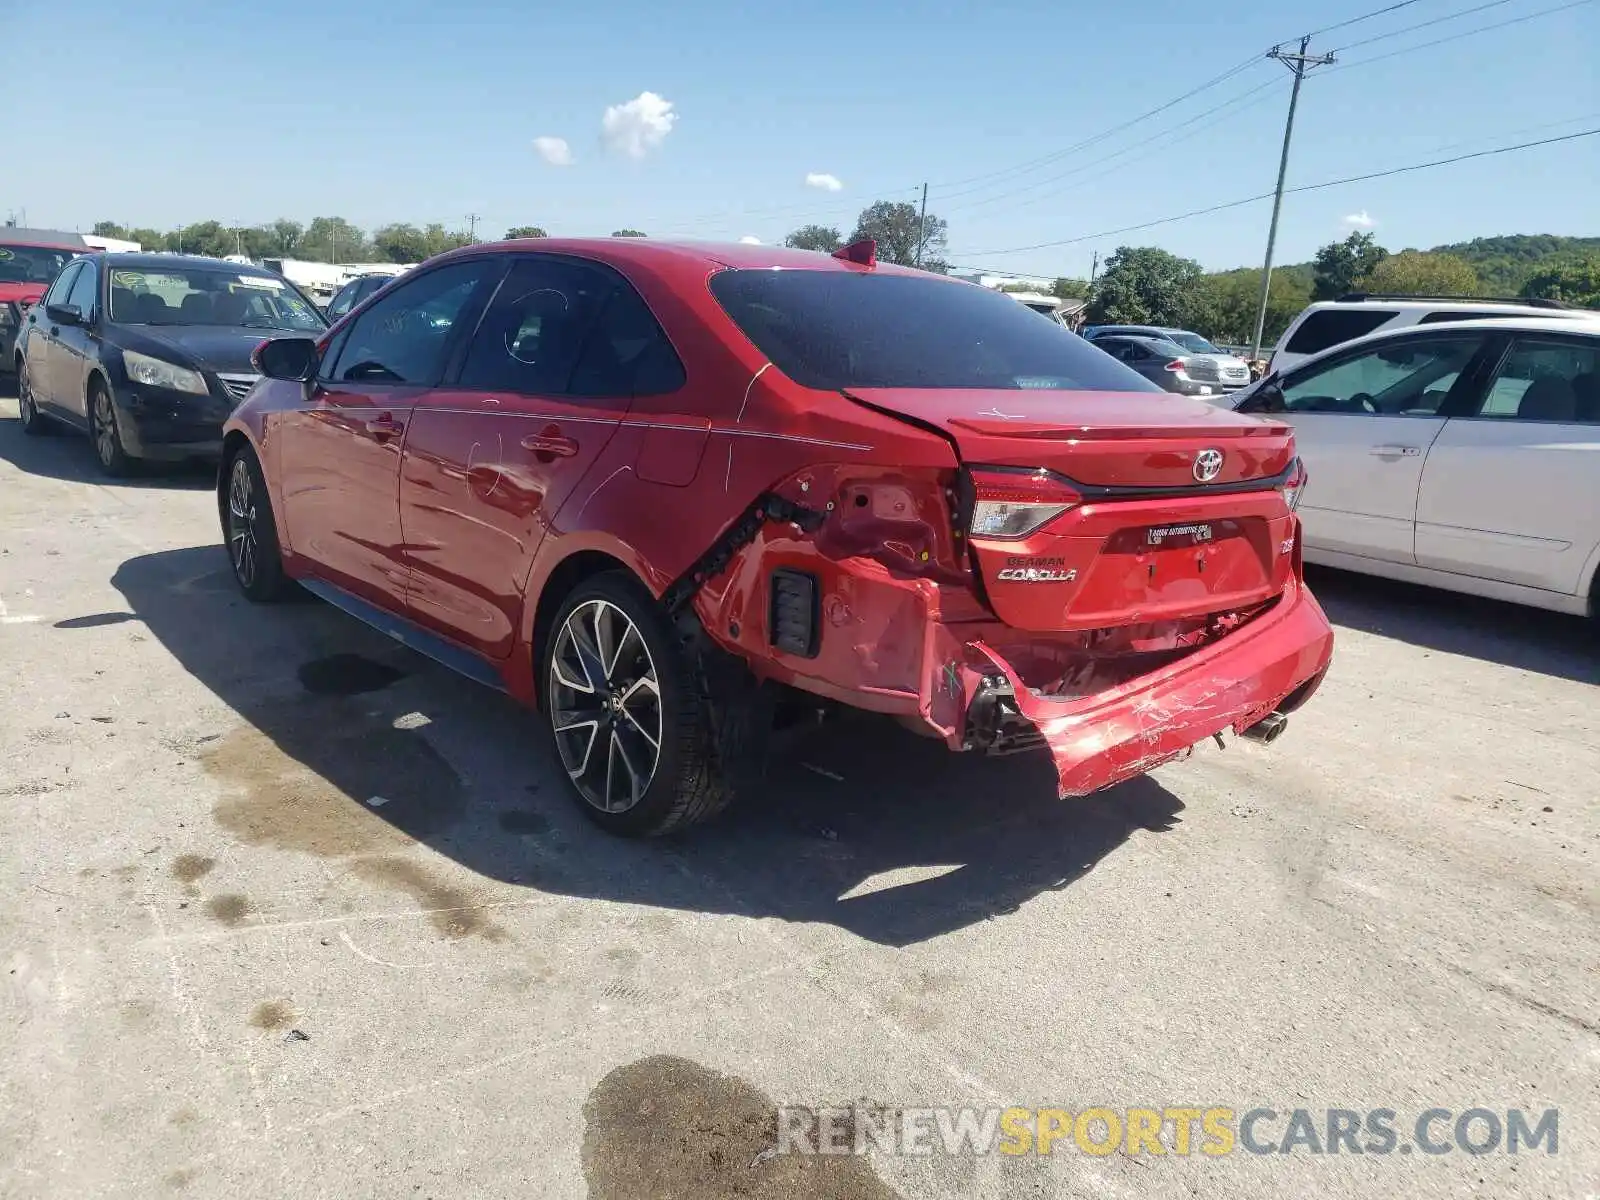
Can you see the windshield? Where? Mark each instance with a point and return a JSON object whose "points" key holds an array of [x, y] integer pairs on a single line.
{"points": [[175, 296], [33, 264], [833, 330], [1192, 342]]}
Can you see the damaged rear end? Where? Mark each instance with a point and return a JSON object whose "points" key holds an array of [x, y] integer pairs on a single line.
{"points": [[1114, 576]]}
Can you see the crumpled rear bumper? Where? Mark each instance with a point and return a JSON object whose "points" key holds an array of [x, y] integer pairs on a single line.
{"points": [[1105, 738]]}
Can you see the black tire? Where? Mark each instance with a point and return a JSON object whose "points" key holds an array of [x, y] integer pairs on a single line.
{"points": [[33, 421], [105, 435], [684, 786], [250, 530]]}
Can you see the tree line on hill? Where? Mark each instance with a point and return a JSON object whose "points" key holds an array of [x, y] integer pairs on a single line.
{"points": [[1140, 284]]}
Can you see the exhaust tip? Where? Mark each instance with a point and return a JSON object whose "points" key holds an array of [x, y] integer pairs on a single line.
{"points": [[1269, 729]]}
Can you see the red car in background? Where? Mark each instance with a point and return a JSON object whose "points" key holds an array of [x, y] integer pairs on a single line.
{"points": [[661, 492], [30, 259]]}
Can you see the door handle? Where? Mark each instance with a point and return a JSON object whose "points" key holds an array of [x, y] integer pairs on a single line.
{"points": [[385, 427], [1397, 451], [550, 442]]}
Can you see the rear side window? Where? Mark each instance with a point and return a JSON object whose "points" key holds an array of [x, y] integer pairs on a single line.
{"points": [[833, 330], [1335, 326]]}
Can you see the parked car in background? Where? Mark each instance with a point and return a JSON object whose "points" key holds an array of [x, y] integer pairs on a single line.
{"points": [[29, 260], [1164, 363], [1463, 455], [353, 293], [1062, 312], [149, 353], [1216, 370], [1329, 323], [663, 491]]}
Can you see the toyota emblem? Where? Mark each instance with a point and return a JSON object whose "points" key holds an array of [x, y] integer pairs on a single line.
{"points": [[1207, 465]]}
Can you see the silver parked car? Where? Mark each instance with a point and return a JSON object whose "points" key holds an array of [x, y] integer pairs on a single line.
{"points": [[1216, 369]]}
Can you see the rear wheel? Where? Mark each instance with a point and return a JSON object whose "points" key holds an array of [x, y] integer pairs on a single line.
{"points": [[251, 531], [626, 716], [113, 459], [33, 421]]}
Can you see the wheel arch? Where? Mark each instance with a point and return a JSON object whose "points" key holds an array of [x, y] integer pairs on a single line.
{"points": [[232, 441], [565, 575]]}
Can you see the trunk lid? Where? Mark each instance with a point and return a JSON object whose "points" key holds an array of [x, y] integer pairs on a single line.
{"points": [[1157, 507]]}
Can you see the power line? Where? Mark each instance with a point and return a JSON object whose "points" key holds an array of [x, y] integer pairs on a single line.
{"points": [[1377, 12], [1544, 12], [1304, 187], [1455, 16]]}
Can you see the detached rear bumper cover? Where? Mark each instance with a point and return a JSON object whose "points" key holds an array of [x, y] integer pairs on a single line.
{"points": [[1103, 739]]}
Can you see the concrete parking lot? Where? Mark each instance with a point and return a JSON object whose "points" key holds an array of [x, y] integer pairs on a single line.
{"points": [[290, 911]]}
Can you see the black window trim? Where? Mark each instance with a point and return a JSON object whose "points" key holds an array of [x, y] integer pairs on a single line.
{"points": [[1466, 390], [1508, 341], [458, 356], [89, 264], [73, 267], [453, 341]]}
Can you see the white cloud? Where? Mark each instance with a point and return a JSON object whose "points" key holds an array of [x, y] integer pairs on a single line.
{"points": [[821, 179], [748, 240], [1360, 220], [639, 126], [554, 151]]}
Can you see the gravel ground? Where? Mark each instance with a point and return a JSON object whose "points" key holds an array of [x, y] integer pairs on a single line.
{"points": [[291, 911]]}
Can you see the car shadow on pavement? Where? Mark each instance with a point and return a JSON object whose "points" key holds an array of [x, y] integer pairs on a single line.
{"points": [[1512, 635], [861, 825], [67, 455]]}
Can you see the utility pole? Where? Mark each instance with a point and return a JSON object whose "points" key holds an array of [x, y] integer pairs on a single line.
{"points": [[1299, 64], [472, 225], [1094, 268], [922, 225]]}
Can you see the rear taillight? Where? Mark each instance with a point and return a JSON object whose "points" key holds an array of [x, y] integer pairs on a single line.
{"points": [[1295, 484], [1176, 364], [1007, 506]]}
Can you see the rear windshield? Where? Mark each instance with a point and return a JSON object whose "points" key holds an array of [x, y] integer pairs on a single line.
{"points": [[846, 329]]}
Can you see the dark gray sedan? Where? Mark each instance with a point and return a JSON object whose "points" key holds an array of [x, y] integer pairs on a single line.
{"points": [[1164, 363]]}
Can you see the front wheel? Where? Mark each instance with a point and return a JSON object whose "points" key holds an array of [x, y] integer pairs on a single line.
{"points": [[627, 719], [251, 531], [108, 451]]}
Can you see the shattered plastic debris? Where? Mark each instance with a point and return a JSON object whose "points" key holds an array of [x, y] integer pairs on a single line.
{"points": [[823, 771]]}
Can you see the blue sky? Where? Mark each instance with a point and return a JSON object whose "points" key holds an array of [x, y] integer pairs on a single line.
{"points": [[170, 111]]}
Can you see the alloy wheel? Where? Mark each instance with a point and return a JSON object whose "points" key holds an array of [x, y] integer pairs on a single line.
{"points": [[25, 406], [242, 547], [105, 429], [605, 706]]}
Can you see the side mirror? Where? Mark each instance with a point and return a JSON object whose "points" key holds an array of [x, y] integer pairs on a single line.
{"points": [[292, 358], [64, 314]]}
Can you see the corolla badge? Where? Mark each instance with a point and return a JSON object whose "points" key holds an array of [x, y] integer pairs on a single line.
{"points": [[1207, 465]]}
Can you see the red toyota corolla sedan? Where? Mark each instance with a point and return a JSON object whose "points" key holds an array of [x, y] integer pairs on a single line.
{"points": [[662, 493]]}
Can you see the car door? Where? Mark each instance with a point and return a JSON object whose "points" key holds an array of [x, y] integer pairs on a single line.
{"points": [[341, 449], [1364, 421], [77, 347], [43, 339], [1511, 492], [540, 391]]}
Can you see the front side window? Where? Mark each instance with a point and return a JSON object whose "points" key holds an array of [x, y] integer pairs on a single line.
{"points": [[207, 296], [343, 301], [82, 293], [403, 337], [1331, 327], [834, 330], [62, 287], [32, 264], [1547, 381], [1406, 377]]}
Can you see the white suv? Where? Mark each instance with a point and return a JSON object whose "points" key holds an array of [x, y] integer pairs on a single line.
{"points": [[1329, 323]]}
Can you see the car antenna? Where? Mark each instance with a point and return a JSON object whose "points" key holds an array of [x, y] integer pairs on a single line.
{"points": [[863, 252]]}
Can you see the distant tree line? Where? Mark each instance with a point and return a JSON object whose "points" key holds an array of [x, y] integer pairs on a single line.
{"points": [[325, 239]]}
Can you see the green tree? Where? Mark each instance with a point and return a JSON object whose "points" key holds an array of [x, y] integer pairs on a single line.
{"points": [[525, 231], [1070, 289], [109, 229], [1413, 272], [1143, 285], [626, 233], [210, 238], [1223, 306], [333, 240], [1339, 264], [148, 239], [400, 243], [437, 239], [823, 238], [1576, 281], [287, 234], [902, 236]]}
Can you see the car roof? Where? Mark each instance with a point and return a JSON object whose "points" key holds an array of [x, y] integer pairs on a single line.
{"points": [[1360, 300], [44, 239], [653, 252], [187, 262], [1587, 324]]}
